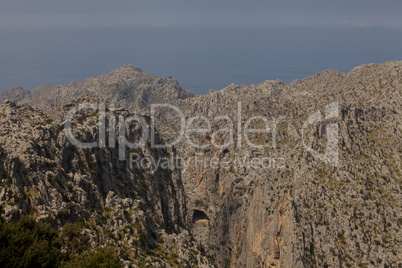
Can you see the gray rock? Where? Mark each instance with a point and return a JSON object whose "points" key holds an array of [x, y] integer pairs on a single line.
{"points": [[304, 213]]}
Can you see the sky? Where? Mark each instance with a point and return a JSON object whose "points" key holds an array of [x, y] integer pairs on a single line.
{"points": [[61, 14], [203, 44]]}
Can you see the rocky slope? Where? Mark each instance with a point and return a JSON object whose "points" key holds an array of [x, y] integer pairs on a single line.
{"points": [[127, 86], [302, 212], [288, 208], [141, 214]]}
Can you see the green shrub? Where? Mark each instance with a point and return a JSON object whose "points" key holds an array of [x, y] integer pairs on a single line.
{"points": [[101, 257], [28, 243], [73, 239]]}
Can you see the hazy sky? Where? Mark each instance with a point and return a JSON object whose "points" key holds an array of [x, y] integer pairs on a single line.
{"points": [[59, 14], [203, 44]]}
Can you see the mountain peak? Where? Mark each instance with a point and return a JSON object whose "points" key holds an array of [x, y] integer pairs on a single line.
{"points": [[127, 86], [129, 68]]}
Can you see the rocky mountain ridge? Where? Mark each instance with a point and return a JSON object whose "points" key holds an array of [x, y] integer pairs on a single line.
{"points": [[301, 213], [307, 214], [127, 86]]}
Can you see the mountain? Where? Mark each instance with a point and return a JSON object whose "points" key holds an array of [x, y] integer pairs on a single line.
{"points": [[45, 176], [319, 187], [301, 212], [127, 86]]}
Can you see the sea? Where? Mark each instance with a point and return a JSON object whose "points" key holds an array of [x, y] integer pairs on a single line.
{"points": [[200, 58]]}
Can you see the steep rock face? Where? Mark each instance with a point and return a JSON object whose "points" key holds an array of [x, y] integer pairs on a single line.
{"points": [[302, 212], [141, 213], [127, 86]]}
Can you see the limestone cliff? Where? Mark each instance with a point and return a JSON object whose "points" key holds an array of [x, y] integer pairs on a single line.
{"points": [[140, 213], [302, 212]]}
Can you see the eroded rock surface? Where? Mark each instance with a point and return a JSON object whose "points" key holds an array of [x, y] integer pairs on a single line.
{"points": [[295, 211], [127, 86]]}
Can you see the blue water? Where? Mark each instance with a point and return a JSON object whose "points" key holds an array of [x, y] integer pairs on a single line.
{"points": [[199, 58]]}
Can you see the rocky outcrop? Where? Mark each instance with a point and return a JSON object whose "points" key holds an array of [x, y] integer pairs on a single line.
{"points": [[16, 94], [141, 213], [127, 86]]}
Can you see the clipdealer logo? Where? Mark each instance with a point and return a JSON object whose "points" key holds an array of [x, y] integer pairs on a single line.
{"points": [[117, 132]]}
